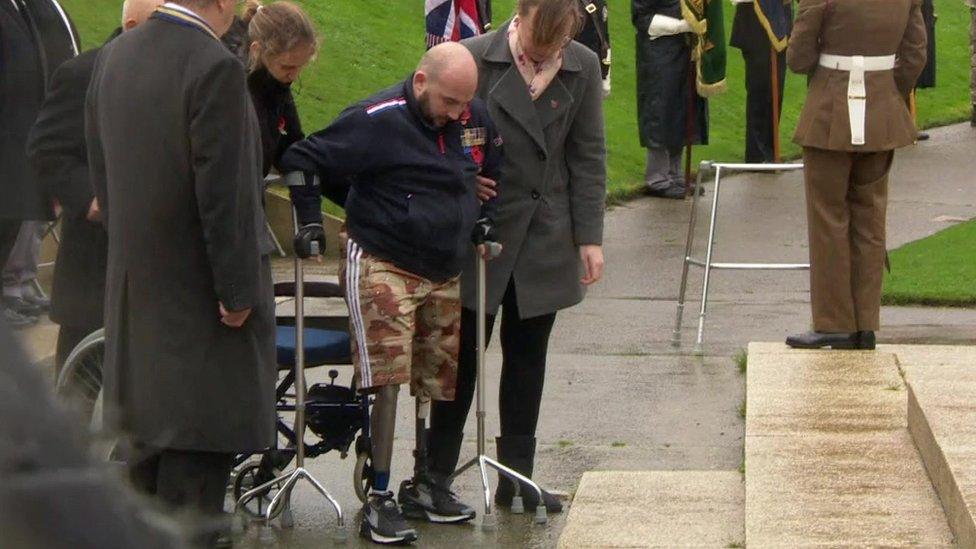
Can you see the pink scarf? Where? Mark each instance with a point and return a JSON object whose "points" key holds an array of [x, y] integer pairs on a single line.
{"points": [[537, 76]]}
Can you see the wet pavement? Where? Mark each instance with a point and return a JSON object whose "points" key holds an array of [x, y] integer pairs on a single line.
{"points": [[618, 396]]}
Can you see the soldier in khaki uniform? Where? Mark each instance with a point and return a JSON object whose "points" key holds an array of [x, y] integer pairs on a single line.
{"points": [[863, 57]]}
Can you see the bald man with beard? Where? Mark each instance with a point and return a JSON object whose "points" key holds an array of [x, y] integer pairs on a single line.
{"points": [[414, 153], [59, 156]]}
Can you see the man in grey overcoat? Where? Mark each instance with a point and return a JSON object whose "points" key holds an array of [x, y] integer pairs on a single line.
{"points": [[175, 160]]}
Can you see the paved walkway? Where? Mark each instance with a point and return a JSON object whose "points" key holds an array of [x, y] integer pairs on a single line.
{"points": [[619, 397]]}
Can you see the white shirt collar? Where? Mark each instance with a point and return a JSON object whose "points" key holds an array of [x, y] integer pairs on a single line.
{"points": [[184, 9]]}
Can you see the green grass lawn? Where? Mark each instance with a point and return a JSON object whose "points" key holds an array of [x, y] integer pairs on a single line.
{"points": [[369, 44], [938, 270]]}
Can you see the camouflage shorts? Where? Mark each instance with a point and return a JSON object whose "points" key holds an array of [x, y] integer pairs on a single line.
{"points": [[408, 326]]}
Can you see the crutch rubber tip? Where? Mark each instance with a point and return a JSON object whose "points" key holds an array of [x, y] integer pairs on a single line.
{"points": [[266, 536], [518, 507], [340, 536], [489, 523], [540, 514], [699, 351], [676, 341]]}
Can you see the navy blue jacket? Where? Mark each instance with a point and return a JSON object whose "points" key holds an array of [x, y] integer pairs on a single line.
{"points": [[411, 186]]}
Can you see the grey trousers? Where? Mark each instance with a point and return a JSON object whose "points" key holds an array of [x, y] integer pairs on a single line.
{"points": [[663, 167]]}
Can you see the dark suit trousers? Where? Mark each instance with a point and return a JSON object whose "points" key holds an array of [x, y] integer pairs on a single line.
{"points": [[191, 482], [759, 102], [847, 198], [525, 343]]}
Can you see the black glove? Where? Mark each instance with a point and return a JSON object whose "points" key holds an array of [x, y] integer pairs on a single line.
{"points": [[310, 240], [484, 231]]}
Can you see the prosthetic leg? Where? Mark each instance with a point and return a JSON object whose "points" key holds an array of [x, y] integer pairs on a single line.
{"points": [[489, 521]]}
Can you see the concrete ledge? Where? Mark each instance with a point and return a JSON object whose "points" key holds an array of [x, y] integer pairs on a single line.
{"points": [[942, 420], [656, 509], [829, 459]]}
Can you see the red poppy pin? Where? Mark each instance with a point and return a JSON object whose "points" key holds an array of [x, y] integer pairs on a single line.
{"points": [[554, 103], [281, 126]]}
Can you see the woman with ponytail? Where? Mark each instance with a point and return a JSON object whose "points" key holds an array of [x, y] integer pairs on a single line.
{"points": [[281, 41]]}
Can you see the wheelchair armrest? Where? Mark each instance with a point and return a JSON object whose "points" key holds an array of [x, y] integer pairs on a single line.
{"points": [[312, 289]]}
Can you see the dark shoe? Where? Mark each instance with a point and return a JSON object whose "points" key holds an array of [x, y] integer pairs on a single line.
{"points": [[430, 498], [383, 523], [38, 302], [518, 453], [16, 320], [673, 191], [21, 306], [922, 136], [819, 340], [866, 340], [972, 122]]}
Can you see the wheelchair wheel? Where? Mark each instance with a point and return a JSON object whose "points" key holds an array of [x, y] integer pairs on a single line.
{"points": [[362, 474], [80, 382], [248, 477]]}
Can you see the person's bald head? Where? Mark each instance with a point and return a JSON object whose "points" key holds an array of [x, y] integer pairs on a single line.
{"points": [[135, 12], [445, 82]]}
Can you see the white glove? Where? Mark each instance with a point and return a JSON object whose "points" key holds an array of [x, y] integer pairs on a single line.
{"points": [[662, 25]]}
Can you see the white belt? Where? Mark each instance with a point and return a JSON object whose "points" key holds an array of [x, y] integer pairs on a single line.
{"points": [[857, 65]]}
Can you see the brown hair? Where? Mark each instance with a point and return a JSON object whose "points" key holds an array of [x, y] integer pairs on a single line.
{"points": [[278, 27], [554, 20]]}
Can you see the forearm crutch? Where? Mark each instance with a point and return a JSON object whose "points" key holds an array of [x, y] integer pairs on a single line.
{"points": [[483, 462], [287, 481]]}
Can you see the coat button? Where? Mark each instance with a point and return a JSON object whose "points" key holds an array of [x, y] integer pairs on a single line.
{"points": [[536, 195]]}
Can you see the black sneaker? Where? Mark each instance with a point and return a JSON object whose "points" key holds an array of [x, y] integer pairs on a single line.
{"points": [[383, 522], [432, 500]]}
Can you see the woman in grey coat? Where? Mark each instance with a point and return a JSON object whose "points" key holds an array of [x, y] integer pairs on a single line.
{"points": [[544, 92]]}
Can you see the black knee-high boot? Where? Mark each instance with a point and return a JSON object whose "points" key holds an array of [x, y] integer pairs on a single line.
{"points": [[518, 452]]}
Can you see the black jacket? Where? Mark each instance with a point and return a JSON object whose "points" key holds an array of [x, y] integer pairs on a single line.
{"points": [[412, 201], [277, 115], [59, 156], [32, 45], [595, 33]]}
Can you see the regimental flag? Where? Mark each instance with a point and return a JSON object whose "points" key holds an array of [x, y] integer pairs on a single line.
{"points": [[454, 20], [775, 18], [708, 24]]}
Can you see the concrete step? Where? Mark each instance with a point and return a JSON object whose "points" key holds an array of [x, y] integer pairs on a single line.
{"points": [[656, 509], [942, 419], [829, 459]]}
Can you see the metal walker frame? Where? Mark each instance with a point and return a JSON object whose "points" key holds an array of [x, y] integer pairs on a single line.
{"points": [[489, 520], [708, 264]]}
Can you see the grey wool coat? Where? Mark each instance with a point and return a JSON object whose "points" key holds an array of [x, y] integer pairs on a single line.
{"points": [[175, 159], [551, 195]]}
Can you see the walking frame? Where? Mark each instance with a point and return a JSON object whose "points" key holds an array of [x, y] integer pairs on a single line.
{"points": [[489, 520], [708, 264]]}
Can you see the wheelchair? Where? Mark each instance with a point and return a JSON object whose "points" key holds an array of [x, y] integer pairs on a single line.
{"points": [[336, 415]]}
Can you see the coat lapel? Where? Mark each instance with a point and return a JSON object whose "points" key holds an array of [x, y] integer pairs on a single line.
{"points": [[553, 103], [510, 91]]}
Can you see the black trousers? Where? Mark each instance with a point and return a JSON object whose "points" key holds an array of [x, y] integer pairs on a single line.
{"points": [[759, 102], [525, 343], [192, 484], [9, 229]]}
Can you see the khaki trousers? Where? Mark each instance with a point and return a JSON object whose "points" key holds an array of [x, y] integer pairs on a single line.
{"points": [[847, 198]]}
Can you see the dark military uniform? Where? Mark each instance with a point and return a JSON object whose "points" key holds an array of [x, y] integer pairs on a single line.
{"points": [[666, 95], [749, 35], [596, 35]]}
